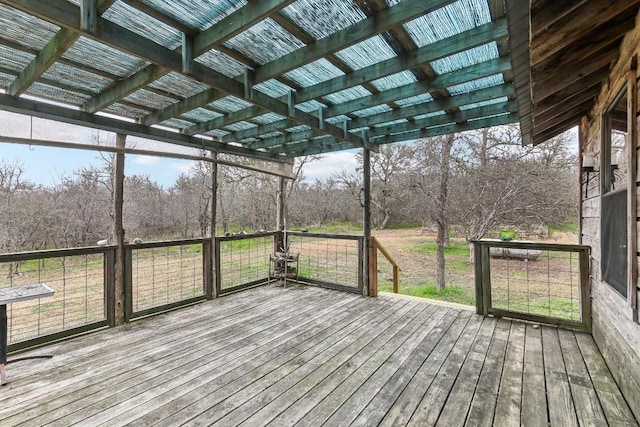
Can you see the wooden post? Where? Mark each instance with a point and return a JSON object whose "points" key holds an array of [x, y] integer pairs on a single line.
{"points": [[632, 193], [280, 214], [477, 262], [210, 290], [366, 170], [396, 279], [373, 268], [118, 232], [485, 259], [585, 288]]}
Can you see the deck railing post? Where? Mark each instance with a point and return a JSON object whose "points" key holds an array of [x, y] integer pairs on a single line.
{"points": [[109, 264], [218, 276], [208, 268], [477, 263], [128, 284], [486, 279], [373, 268], [585, 289]]}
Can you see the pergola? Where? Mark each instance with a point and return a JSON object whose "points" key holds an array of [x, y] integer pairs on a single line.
{"points": [[280, 79], [268, 79]]}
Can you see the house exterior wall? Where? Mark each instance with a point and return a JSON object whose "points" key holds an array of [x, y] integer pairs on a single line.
{"points": [[615, 319]]}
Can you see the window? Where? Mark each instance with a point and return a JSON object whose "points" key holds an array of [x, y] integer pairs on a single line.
{"points": [[613, 177]]}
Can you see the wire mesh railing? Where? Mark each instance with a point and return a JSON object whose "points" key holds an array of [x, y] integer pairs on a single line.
{"points": [[333, 261], [540, 282], [162, 275], [80, 279], [242, 261], [159, 276]]}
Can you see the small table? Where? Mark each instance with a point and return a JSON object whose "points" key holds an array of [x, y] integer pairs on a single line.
{"points": [[8, 296]]}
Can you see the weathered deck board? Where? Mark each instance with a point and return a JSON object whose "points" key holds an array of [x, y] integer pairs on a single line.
{"points": [[588, 409], [562, 410], [534, 392], [509, 403], [308, 356], [484, 400], [615, 408]]}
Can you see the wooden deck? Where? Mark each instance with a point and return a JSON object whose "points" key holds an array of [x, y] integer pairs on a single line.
{"points": [[308, 356]]}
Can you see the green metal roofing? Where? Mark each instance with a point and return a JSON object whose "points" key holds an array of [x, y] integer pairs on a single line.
{"points": [[268, 79]]}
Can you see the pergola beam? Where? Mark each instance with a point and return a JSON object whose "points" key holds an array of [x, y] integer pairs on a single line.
{"points": [[235, 23], [487, 122], [379, 134], [449, 103], [208, 39], [51, 53], [81, 118], [432, 107], [178, 108], [463, 75], [451, 45], [417, 134], [225, 120], [124, 88], [349, 36]]}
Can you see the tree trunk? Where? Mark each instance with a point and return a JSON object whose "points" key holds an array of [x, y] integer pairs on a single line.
{"points": [[472, 252], [386, 219], [441, 205], [440, 255]]}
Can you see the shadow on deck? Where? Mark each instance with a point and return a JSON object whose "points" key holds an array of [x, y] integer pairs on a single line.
{"points": [[311, 356]]}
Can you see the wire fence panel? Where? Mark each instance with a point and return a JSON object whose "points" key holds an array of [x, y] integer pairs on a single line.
{"points": [[329, 260], [163, 274], [243, 261], [538, 282], [77, 277]]}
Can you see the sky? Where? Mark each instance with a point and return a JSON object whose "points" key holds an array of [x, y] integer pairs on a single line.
{"points": [[47, 165]]}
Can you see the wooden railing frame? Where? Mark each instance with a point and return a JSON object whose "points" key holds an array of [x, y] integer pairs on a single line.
{"points": [[374, 247], [218, 257], [207, 279], [482, 268], [338, 287], [108, 290]]}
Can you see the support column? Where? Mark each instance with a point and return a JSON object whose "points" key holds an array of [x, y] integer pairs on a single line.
{"points": [[366, 171], [210, 288], [118, 232], [280, 213]]}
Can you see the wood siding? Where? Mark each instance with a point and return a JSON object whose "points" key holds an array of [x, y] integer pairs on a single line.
{"points": [[615, 324]]}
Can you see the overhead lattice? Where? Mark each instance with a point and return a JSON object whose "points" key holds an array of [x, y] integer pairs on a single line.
{"points": [[272, 78]]}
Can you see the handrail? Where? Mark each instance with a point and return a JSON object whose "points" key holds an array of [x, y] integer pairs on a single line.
{"points": [[374, 247]]}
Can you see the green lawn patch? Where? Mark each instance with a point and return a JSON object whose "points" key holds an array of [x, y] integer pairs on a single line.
{"points": [[455, 248], [455, 294]]}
